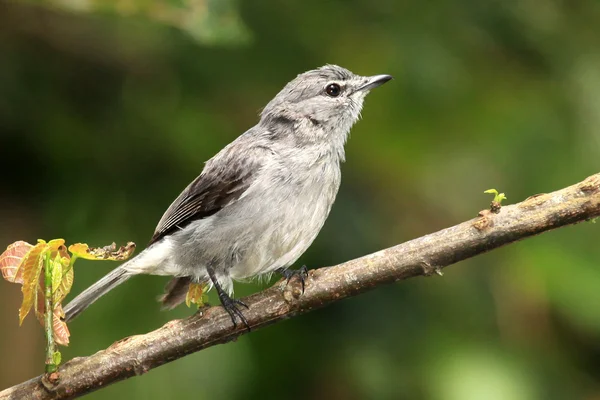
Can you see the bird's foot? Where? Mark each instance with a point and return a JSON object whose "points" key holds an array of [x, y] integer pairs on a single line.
{"points": [[232, 306], [301, 273]]}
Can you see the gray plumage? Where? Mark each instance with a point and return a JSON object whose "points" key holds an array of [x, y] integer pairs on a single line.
{"points": [[261, 201]]}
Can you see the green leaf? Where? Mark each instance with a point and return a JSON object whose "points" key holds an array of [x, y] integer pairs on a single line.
{"points": [[56, 358], [498, 197]]}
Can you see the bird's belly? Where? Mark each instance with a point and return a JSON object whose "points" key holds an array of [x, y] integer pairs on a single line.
{"points": [[285, 232]]}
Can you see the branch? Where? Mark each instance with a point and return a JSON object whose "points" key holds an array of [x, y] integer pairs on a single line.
{"points": [[423, 256]]}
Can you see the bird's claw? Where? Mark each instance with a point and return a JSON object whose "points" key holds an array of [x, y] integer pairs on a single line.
{"points": [[232, 306], [301, 273]]}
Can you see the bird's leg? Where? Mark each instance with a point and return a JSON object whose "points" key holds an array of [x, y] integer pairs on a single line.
{"points": [[301, 273], [230, 305]]}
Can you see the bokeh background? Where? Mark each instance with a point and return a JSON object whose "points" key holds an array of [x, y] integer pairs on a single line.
{"points": [[108, 109]]}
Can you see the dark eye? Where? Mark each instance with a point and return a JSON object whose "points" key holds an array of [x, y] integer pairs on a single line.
{"points": [[333, 90]]}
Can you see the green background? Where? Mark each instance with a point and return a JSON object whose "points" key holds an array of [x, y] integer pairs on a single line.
{"points": [[108, 110]]}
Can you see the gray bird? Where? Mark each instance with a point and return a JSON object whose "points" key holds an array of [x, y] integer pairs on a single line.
{"points": [[260, 202]]}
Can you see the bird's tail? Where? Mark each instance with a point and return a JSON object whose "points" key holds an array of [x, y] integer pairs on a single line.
{"points": [[94, 292]]}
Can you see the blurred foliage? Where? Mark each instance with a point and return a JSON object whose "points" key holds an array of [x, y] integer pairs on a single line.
{"points": [[110, 112], [214, 22]]}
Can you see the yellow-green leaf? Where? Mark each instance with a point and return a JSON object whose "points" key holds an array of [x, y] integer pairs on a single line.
{"points": [[56, 357], [195, 294], [65, 284], [57, 272], [110, 252], [40, 297], [498, 197], [32, 268], [11, 261], [55, 244]]}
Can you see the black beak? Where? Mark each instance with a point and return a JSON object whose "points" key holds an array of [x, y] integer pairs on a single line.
{"points": [[374, 81]]}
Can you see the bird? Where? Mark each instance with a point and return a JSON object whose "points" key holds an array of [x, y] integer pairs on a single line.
{"points": [[260, 202]]}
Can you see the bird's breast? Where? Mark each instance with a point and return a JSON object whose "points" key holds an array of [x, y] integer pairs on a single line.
{"points": [[295, 205]]}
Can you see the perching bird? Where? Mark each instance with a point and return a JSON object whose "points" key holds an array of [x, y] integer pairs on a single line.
{"points": [[260, 202]]}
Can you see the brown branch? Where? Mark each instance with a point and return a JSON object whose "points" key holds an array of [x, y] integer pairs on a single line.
{"points": [[423, 256]]}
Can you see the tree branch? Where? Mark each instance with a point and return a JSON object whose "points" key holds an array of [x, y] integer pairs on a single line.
{"points": [[423, 256]]}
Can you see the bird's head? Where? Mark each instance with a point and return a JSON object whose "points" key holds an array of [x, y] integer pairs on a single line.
{"points": [[328, 99]]}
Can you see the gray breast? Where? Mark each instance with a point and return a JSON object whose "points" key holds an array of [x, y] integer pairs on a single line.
{"points": [[295, 207]]}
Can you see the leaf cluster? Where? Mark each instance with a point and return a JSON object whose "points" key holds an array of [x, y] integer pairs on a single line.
{"points": [[29, 265]]}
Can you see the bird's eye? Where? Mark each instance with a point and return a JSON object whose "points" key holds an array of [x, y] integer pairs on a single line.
{"points": [[333, 90]]}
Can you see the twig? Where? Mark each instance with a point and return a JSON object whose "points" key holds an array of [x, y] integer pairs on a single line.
{"points": [[48, 315], [423, 256]]}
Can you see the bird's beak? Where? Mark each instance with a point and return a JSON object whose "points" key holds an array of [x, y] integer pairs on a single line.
{"points": [[374, 81]]}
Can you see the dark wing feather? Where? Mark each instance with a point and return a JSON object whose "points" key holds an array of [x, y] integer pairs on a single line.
{"points": [[207, 194]]}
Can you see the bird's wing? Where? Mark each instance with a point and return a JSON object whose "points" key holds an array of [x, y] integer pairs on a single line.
{"points": [[225, 178]]}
